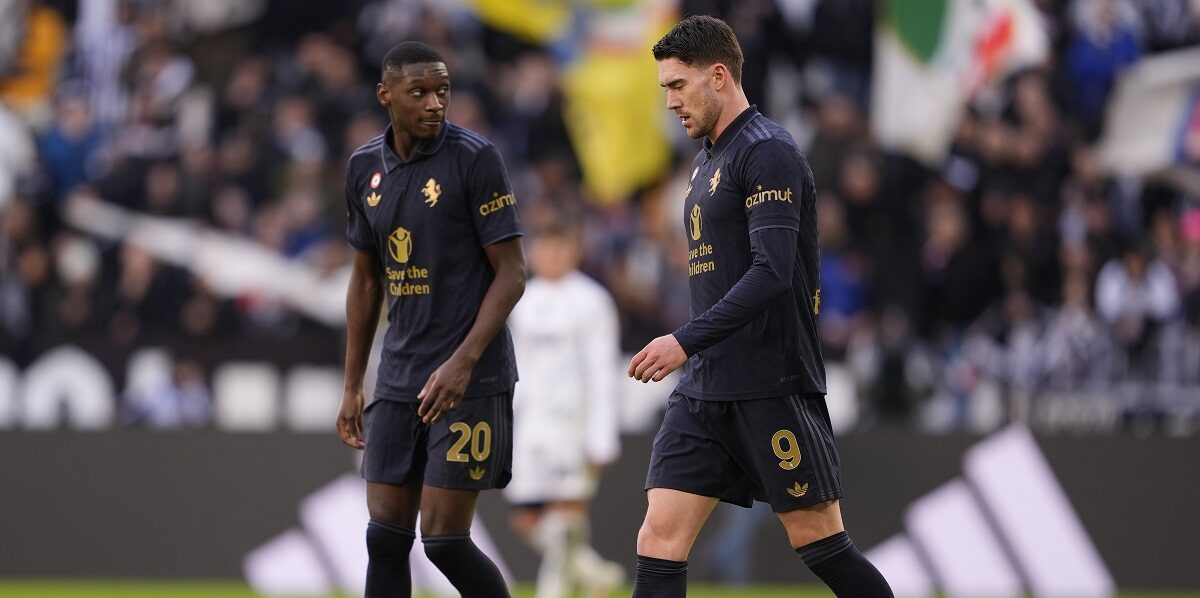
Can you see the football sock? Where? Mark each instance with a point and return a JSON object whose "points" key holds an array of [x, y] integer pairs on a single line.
{"points": [[553, 537], [387, 568], [584, 564], [471, 572], [659, 578], [843, 568]]}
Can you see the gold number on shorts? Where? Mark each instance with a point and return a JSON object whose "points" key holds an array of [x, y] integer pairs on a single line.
{"points": [[480, 438], [455, 453], [481, 442], [789, 455]]}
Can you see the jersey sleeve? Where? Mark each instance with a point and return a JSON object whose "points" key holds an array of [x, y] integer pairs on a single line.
{"points": [[775, 177], [774, 253], [358, 229], [491, 198]]}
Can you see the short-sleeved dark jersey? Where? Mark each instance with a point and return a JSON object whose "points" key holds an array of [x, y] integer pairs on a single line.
{"points": [[427, 221], [753, 179]]}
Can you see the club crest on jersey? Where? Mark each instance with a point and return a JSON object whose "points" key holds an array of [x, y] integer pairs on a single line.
{"points": [[373, 199], [714, 181], [432, 192], [375, 180]]}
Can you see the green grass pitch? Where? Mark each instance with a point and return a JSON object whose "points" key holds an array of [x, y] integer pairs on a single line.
{"points": [[131, 589], [107, 589]]}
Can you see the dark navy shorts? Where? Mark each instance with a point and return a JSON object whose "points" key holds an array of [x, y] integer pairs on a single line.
{"points": [[779, 451], [469, 449]]}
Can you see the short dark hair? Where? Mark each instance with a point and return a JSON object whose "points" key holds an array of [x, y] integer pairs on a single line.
{"points": [[701, 40], [410, 52]]}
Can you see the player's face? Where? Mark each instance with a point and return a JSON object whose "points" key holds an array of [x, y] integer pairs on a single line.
{"points": [[416, 98], [690, 95]]}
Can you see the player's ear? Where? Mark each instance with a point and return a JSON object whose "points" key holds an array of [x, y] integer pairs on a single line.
{"points": [[720, 76], [384, 94]]}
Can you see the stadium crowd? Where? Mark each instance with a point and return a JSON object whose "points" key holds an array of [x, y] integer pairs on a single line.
{"points": [[1018, 274]]}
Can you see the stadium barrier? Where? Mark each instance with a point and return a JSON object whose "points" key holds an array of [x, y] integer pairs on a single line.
{"points": [[143, 504]]}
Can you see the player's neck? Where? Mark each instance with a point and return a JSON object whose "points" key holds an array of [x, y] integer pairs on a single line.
{"points": [[729, 112], [403, 144]]}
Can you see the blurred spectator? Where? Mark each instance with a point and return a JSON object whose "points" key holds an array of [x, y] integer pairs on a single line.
{"points": [[1077, 348], [843, 284], [17, 154], [69, 148], [27, 82], [1104, 42], [959, 277], [25, 272], [1136, 295], [1169, 24], [178, 400]]}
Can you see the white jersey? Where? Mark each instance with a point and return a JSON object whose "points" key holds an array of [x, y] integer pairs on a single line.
{"points": [[565, 408]]}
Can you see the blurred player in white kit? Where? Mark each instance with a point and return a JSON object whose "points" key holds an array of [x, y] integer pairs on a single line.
{"points": [[564, 413]]}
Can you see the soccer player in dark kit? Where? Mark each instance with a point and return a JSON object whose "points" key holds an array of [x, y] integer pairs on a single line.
{"points": [[748, 419], [433, 220]]}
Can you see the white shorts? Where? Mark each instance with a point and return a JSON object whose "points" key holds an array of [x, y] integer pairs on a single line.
{"points": [[545, 471]]}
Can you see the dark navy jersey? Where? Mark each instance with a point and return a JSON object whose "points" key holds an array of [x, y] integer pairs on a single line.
{"points": [[753, 267], [427, 220]]}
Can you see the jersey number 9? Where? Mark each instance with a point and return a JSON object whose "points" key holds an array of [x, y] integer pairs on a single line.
{"points": [[786, 448]]}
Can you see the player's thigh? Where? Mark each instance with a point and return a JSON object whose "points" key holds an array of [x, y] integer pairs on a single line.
{"points": [[395, 504], [471, 447], [786, 445], [673, 520], [809, 524]]}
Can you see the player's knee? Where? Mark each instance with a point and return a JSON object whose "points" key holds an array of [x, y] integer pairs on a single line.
{"points": [[382, 510], [445, 522], [396, 505], [805, 526], [660, 540]]}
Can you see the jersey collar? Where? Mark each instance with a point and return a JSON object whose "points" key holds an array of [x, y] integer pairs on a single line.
{"points": [[714, 150], [428, 148]]}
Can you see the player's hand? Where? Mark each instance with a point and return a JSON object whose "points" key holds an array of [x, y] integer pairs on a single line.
{"points": [[444, 389], [350, 420], [661, 357]]}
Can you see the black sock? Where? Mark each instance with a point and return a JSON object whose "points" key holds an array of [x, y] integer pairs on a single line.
{"points": [[659, 578], [473, 574], [387, 568], [844, 569]]}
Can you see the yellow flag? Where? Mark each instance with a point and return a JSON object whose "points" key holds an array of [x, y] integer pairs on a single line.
{"points": [[614, 114], [536, 21]]}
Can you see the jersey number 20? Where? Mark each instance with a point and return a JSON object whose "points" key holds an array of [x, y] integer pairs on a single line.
{"points": [[479, 437]]}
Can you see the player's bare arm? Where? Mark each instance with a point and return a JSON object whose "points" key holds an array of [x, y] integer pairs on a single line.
{"points": [[364, 298], [446, 385]]}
